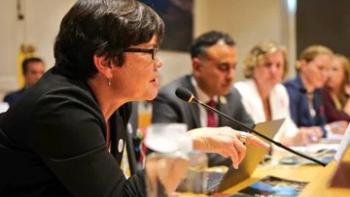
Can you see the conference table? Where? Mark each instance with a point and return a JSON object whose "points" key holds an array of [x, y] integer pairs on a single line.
{"points": [[317, 176]]}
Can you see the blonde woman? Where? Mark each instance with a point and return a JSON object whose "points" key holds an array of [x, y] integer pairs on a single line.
{"points": [[336, 92], [265, 98], [306, 105]]}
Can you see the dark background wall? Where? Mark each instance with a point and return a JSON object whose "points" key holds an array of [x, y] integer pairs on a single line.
{"points": [[324, 22], [178, 19]]}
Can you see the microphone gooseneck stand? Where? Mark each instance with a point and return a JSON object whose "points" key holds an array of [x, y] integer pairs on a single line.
{"points": [[187, 96]]}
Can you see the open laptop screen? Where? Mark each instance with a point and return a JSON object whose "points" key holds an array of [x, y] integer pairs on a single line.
{"points": [[253, 157]]}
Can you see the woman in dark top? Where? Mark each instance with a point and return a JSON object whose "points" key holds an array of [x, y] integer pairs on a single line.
{"points": [[305, 101], [304, 91], [62, 137], [337, 90]]}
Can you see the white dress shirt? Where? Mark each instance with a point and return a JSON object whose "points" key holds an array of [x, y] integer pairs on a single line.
{"points": [[279, 103], [203, 116]]}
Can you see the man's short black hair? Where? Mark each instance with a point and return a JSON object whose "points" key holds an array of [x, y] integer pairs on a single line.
{"points": [[103, 27], [28, 61], [209, 39]]}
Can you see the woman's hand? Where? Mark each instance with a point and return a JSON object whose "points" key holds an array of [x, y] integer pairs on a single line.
{"points": [[224, 141], [308, 135]]}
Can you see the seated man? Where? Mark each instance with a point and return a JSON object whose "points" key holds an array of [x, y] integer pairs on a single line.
{"points": [[214, 59], [32, 69]]}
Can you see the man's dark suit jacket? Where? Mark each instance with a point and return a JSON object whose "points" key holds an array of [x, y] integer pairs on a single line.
{"points": [[167, 108], [52, 143], [12, 97]]}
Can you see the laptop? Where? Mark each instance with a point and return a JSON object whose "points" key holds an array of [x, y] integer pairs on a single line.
{"points": [[344, 144], [340, 177], [218, 182]]}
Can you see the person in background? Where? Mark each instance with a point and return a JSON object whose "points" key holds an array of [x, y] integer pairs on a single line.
{"points": [[65, 137], [214, 60], [304, 91], [337, 90], [32, 69], [263, 95]]}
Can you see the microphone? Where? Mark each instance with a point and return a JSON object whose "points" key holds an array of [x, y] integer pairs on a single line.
{"points": [[187, 96]]}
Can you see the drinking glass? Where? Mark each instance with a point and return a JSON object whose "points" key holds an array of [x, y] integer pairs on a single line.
{"points": [[164, 172], [144, 110], [176, 174], [196, 178], [168, 137]]}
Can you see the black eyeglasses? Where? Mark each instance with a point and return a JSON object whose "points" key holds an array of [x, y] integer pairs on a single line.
{"points": [[152, 51]]}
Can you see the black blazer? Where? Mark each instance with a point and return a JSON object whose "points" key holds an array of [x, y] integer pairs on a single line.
{"points": [[167, 108], [52, 143]]}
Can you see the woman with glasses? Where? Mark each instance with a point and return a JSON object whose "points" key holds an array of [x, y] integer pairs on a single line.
{"points": [[66, 136]]}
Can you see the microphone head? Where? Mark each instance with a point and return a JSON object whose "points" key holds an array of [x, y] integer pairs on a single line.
{"points": [[184, 94]]}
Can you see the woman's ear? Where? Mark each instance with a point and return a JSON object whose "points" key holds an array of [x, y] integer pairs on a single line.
{"points": [[103, 66], [300, 64]]}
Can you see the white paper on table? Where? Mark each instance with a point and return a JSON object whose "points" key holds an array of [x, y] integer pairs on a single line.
{"points": [[314, 148]]}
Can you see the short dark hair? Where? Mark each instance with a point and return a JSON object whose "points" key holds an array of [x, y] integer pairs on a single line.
{"points": [[208, 39], [28, 61], [103, 27]]}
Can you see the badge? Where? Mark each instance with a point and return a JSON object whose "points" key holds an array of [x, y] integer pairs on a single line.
{"points": [[120, 145]]}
